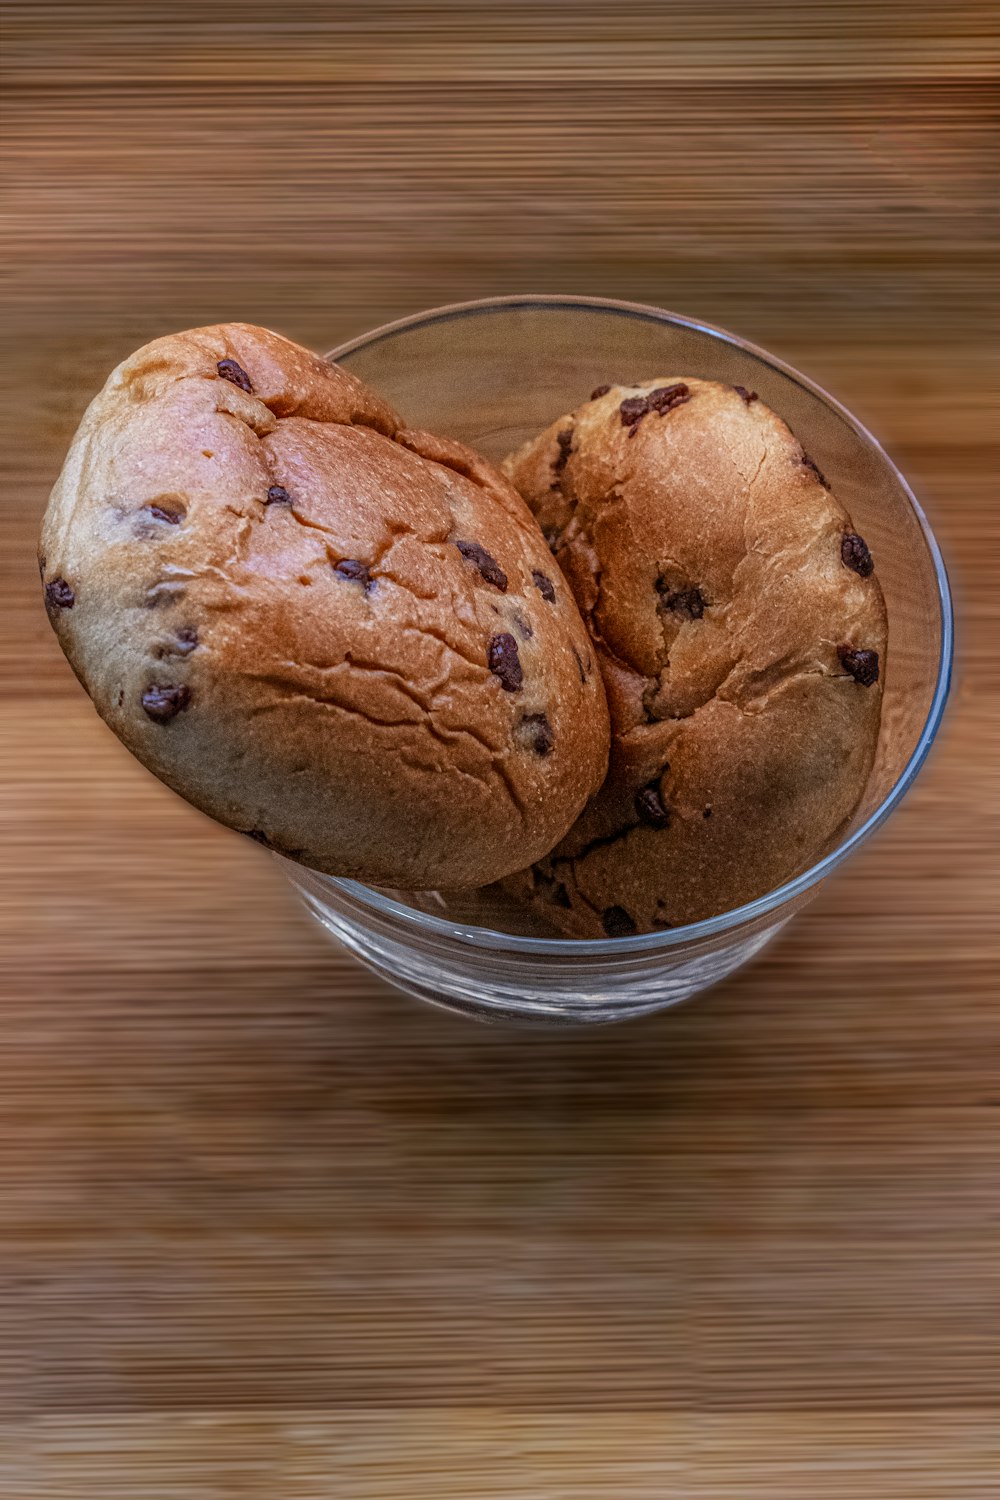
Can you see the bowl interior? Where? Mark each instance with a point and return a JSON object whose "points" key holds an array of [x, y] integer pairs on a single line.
{"points": [[494, 374]]}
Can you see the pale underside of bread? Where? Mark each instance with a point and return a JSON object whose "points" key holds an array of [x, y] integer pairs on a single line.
{"points": [[707, 555]]}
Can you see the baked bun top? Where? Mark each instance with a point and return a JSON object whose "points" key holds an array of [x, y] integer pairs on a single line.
{"points": [[342, 637], [741, 633]]}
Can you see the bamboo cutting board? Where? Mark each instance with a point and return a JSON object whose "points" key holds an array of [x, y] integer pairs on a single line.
{"points": [[270, 1230]]}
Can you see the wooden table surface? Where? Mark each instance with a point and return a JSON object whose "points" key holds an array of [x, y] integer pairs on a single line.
{"points": [[270, 1229]]}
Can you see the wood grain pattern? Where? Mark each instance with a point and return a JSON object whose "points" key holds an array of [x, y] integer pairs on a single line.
{"points": [[269, 1229]]}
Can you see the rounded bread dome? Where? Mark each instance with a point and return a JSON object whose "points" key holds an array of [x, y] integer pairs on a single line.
{"points": [[741, 633], [341, 637]]}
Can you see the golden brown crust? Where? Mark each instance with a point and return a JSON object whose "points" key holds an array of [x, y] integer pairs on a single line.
{"points": [[269, 607], [709, 560]]}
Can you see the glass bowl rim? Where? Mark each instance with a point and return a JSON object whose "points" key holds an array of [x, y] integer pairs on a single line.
{"points": [[712, 927]]}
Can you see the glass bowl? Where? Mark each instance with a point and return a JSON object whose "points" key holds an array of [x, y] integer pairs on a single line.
{"points": [[494, 373]]}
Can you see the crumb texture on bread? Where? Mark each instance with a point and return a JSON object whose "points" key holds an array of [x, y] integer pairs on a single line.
{"points": [[741, 632], [318, 626]]}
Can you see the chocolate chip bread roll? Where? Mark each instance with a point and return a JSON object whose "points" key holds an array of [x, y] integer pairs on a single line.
{"points": [[343, 638], [741, 632]]}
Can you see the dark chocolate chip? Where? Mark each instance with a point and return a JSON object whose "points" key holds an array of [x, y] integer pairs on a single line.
{"points": [[536, 732], [666, 397], [862, 665], [162, 702], [278, 495], [599, 391], [661, 400], [855, 555], [632, 409], [161, 513], [522, 626], [230, 370], [487, 565], [59, 595], [545, 586], [504, 662], [747, 396], [649, 806], [707, 813], [565, 441], [810, 463], [688, 603], [580, 666], [354, 571], [617, 922]]}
